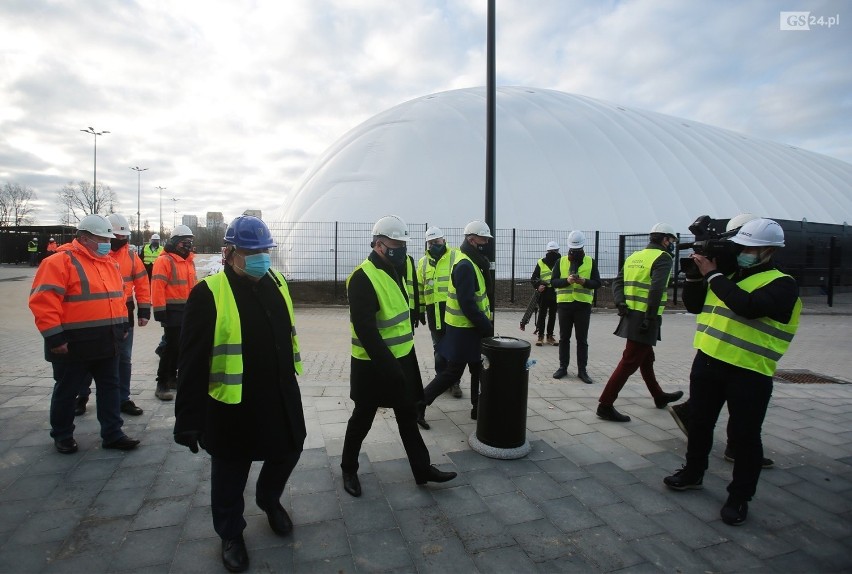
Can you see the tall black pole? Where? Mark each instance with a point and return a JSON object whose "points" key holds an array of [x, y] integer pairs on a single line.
{"points": [[490, 138]]}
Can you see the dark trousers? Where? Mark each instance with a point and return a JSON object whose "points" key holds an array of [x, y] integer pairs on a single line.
{"points": [[71, 377], [125, 353], [546, 313], [406, 421], [636, 356], [574, 316], [228, 482], [452, 374], [711, 384], [440, 361], [149, 268], [167, 369]]}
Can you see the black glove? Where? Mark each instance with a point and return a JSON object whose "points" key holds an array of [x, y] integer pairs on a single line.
{"points": [[189, 439], [622, 309], [646, 325]]}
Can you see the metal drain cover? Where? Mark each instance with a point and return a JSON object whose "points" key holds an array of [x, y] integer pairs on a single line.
{"points": [[805, 378]]}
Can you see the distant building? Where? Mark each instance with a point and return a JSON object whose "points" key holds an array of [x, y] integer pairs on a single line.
{"points": [[215, 220], [190, 221], [253, 213]]}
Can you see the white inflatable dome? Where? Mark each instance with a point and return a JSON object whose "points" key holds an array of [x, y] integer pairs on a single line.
{"points": [[563, 162]]}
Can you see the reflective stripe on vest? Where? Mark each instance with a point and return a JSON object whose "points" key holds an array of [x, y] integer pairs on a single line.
{"points": [[574, 291], [393, 319], [435, 280], [455, 316], [409, 282], [545, 273], [637, 280], [225, 383], [753, 344]]}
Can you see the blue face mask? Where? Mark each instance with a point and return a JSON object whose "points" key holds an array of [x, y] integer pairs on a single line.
{"points": [[397, 255], [104, 248], [437, 250], [746, 260], [258, 264]]}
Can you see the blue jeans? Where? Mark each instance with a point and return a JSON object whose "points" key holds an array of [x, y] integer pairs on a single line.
{"points": [[125, 353], [71, 377]]}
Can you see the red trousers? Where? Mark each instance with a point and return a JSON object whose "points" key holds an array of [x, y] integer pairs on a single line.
{"points": [[636, 356]]}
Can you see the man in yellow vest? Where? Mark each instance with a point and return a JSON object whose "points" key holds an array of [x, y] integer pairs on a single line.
{"points": [[238, 397], [384, 368], [541, 282], [467, 318], [32, 251], [150, 252], [640, 293], [575, 278], [745, 322]]}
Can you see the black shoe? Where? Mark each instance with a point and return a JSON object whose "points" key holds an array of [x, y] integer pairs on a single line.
{"points": [[680, 414], [421, 416], [130, 408], [123, 443], [584, 376], [66, 445], [685, 479], [159, 350], [560, 372], [667, 398], [173, 384], [734, 512], [279, 520], [474, 412], [163, 393], [235, 555], [351, 484], [764, 462], [456, 390], [80, 407], [608, 413], [436, 475]]}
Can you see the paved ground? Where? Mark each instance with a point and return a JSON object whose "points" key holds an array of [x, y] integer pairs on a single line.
{"points": [[588, 498]]}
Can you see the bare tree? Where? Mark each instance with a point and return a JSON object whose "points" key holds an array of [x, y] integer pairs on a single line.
{"points": [[79, 200], [15, 208]]}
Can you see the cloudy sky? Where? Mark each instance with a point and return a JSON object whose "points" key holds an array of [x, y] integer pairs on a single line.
{"points": [[227, 103]]}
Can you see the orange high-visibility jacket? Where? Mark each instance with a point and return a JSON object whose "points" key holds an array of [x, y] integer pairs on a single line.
{"points": [[135, 280], [172, 278], [78, 298]]}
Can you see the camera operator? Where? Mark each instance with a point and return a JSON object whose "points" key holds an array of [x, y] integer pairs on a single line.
{"points": [[744, 326]]}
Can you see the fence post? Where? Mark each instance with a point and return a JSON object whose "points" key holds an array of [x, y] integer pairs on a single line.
{"points": [[597, 246], [336, 251], [512, 274], [832, 251]]}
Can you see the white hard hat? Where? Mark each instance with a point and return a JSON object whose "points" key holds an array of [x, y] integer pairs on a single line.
{"points": [[51, 239], [477, 227], [739, 220], [434, 233], [155, 236], [392, 227], [96, 225], [664, 228], [552, 246], [576, 240], [760, 233], [182, 231], [119, 224]]}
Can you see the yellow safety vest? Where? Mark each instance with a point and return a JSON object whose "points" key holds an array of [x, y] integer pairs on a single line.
{"points": [[574, 291], [455, 316], [753, 344], [225, 383], [637, 280], [409, 283], [393, 318], [32, 247], [435, 280], [149, 255], [544, 272]]}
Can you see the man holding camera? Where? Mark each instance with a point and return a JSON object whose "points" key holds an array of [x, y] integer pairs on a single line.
{"points": [[640, 292], [745, 324]]}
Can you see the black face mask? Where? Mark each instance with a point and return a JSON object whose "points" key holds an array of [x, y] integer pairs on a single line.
{"points": [[155, 244], [481, 248], [437, 250], [116, 244], [397, 255], [576, 254]]}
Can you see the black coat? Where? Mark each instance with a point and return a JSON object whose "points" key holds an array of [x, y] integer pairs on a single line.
{"points": [[629, 325], [383, 380], [269, 421]]}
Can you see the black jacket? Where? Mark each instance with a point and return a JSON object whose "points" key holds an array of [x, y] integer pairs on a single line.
{"points": [[629, 325], [269, 421], [383, 380]]}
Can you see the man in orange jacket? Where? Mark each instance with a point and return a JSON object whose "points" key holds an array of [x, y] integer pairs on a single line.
{"points": [[78, 303], [172, 279], [135, 281]]}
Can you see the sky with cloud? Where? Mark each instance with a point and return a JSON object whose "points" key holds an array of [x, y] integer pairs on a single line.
{"points": [[228, 102]]}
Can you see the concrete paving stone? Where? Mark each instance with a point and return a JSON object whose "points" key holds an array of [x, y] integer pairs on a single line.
{"points": [[570, 515], [610, 474], [827, 500], [310, 481], [777, 477], [561, 469], [115, 503], [201, 497], [14, 514], [517, 467], [174, 484], [367, 515], [602, 547], [581, 454], [271, 559], [336, 565], [154, 549], [592, 493], [30, 487], [132, 477], [198, 523], [202, 556], [317, 507], [95, 537], [468, 460], [159, 512], [313, 458], [402, 496], [47, 526], [627, 522], [183, 461], [513, 508], [665, 553], [320, 541], [541, 540], [481, 531], [32, 559], [575, 427], [490, 481], [147, 454], [542, 451], [794, 562], [90, 562], [686, 528], [73, 495], [830, 554], [52, 464], [423, 524], [504, 560], [99, 469], [459, 501], [380, 551], [441, 556], [776, 508], [397, 470], [646, 499], [823, 478], [539, 487]]}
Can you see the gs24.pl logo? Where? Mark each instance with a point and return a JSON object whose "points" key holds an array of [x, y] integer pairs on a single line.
{"points": [[804, 20]]}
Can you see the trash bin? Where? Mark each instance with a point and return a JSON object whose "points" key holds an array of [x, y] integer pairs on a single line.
{"points": [[501, 423]]}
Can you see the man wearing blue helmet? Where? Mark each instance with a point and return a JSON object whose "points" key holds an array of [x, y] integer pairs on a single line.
{"points": [[238, 397]]}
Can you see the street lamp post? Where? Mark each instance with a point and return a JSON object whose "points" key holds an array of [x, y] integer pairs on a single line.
{"points": [[174, 218], [92, 131], [161, 188], [139, 171]]}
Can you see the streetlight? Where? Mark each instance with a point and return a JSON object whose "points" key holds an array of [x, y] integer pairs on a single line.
{"points": [[138, 171], [92, 131], [174, 218], [161, 188]]}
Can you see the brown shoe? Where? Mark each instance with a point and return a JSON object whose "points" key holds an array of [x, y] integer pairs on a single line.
{"points": [[552, 341], [540, 342]]}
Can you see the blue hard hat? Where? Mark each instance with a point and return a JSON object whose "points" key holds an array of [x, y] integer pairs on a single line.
{"points": [[249, 232]]}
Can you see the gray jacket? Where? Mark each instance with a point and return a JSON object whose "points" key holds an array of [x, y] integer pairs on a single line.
{"points": [[628, 326]]}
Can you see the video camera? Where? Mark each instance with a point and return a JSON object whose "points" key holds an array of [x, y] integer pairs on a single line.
{"points": [[713, 242]]}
